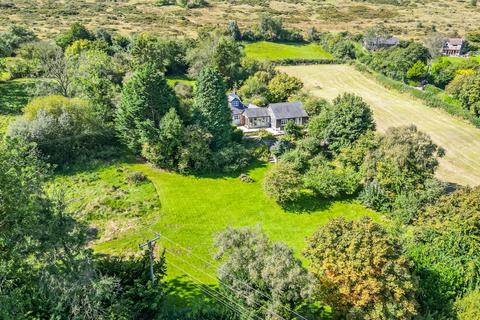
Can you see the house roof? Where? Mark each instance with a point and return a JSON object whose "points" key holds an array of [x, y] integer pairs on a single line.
{"points": [[233, 96], [287, 110], [454, 43], [254, 112], [236, 110]]}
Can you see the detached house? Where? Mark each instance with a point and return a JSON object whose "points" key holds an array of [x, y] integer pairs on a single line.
{"points": [[453, 47], [275, 116], [377, 43]]}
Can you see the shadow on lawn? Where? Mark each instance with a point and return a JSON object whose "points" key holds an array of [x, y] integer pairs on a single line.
{"points": [[14, 95], [256, 164], [309, 203]]}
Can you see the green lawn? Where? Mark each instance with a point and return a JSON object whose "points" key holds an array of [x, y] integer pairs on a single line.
{"points": [[172, 80], [188, 210], [264, 50]]}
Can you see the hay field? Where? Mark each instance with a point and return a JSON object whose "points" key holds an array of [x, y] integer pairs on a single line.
{"points": [[460, 139]]}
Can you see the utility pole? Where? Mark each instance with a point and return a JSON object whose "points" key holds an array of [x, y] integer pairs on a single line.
{"points": [[150, 244]]}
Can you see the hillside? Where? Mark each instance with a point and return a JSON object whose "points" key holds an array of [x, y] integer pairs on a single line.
{"points": [[414, 19]]}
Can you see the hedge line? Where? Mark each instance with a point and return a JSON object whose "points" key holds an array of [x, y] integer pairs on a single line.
{"points": [[430, 98], [294, 62]]}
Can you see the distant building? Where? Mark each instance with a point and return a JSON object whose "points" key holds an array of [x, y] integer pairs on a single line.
{"points": [[377, 43], [237, 107], [453, 47]]}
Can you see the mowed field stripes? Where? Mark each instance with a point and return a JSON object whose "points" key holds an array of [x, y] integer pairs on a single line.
{"points": [[460, 139]]}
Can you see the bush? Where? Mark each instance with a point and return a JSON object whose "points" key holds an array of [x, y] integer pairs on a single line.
{"points": [[62, 128], [231, 158], [283, 183], [19, 68], [137, 177]]}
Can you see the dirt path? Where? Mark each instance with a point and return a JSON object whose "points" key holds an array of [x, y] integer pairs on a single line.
{"points": [[460, 139]]}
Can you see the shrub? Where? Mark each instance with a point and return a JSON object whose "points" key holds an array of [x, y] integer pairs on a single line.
{"points": [[283, 183], [137, 177], [62, 128], [231, 158]]}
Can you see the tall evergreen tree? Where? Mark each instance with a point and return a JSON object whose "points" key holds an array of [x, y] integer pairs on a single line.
{"points": [[211, 106], [146, 98]]}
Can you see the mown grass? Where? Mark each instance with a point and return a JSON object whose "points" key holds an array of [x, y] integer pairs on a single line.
{"points": [[188, 210], [273, 51], [14, 95]]}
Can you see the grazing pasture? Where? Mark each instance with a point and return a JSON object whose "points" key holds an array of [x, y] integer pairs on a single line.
{"points": [[188, 210], [461, 140], [264, 50]]}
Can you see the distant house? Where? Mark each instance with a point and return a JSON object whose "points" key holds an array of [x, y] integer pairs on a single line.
{"points": [[453, 47], [236, 106], [377, 43]]}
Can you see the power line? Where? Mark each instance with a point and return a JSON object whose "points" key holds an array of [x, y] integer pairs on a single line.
{"points": [[244, 282], [216, 295], [214, 278]]}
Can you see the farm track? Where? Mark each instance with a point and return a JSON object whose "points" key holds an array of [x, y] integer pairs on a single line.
{"points": [[461, 140]]}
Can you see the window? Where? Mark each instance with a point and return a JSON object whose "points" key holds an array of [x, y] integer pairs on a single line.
{"points": [[236, 117], [283, 122]]}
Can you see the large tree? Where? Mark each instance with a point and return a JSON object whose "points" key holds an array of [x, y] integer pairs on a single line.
{"points": [[362, 271], [146, 98], [211, 106], [264, 277], [343, 123], [283, 183]]}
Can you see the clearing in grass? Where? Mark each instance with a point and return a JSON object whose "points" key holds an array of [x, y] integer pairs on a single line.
{"points": [[264, 50], [188, 210], [460, 139]]}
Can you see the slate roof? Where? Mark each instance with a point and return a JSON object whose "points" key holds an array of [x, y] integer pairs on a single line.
{"points": [[254, 112], [454, 44], [233, 96], [287, 110]]}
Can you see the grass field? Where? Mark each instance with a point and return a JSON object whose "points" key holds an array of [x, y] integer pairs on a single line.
{"points": [[188, 210], [264, 50], [13, 97], [460, 139]]}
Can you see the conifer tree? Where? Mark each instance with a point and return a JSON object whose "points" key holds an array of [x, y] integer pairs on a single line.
{"points": [[146, 98], [211, 106]]}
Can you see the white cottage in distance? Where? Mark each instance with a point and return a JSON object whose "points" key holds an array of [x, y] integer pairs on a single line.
{"points": [[275, 116]]}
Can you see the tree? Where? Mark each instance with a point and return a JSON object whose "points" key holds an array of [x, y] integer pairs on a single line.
{"points": [[98, 80], [343, 123], [77, 31], [282, 86], [146, 98], [195, 154], [434, 42], [234, 31], [262, 276], [211, 106], [466, 88], [163, 148], [418, 71], [13, 38], [58, 67], [375, 34], [404, 160], [361, 270], [283, 183], [227, 58], [445, 249], [293, 131]]}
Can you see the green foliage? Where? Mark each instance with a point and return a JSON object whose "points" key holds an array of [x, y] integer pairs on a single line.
{"points": [[146, 98], [233, 30], [19, 68], [195, 154], [282, 86], [13, 38], [211, 106], [283, 183], [468, 307], [163, 145], [343, 123], [339, 45], [329, 180], [293, 131], [418, 71], [396, 61], [362, 271], [445, 249], [264, 277], [167, 55], [404, 161], [77, 31], [466, 88], [63, 129]]}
